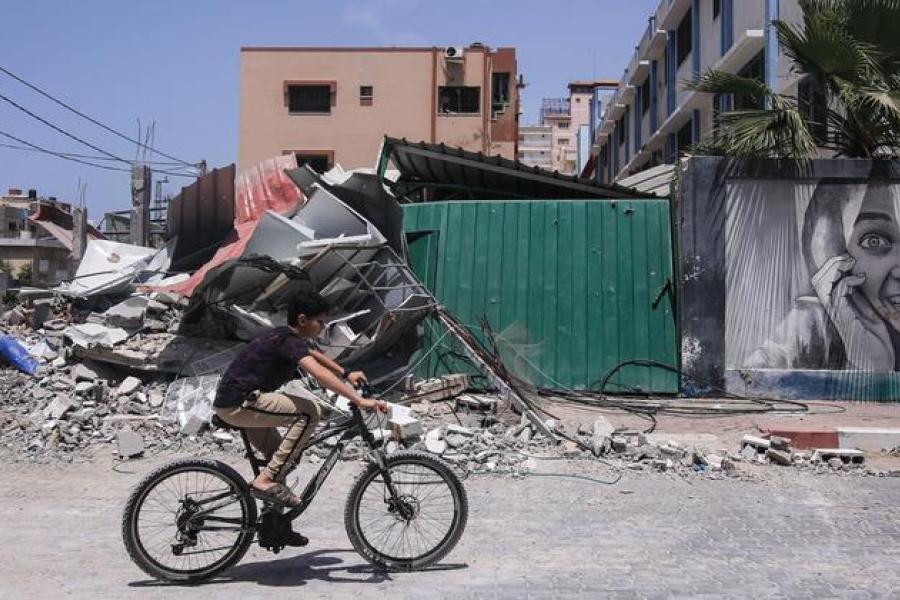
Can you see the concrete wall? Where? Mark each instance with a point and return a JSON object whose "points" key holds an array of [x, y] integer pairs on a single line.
{"points": [[791, 278]]}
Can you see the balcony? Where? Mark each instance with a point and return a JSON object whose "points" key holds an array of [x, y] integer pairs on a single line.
{"points": [[670, 12]]}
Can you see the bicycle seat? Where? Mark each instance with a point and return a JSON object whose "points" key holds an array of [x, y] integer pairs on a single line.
{"points": [[217, 422]]}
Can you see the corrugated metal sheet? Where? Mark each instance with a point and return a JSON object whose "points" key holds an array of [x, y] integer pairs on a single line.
{"points": [[580, 276]]}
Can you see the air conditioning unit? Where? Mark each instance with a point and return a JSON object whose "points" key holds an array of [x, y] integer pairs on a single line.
{"points": [[453, 53]]}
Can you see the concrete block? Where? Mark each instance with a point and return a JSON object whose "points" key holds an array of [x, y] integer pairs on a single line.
{"points": [[847, 455], [458, 429], [84, 373], [128, 385], [756, 442], [779, 443], [602, 428], [129, 444], [780, 457], [749, 453], [84, 387], [406, 427]]}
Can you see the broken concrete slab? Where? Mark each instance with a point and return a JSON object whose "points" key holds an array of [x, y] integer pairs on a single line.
{"points": [[128, 314], [58, 407], [440, 388], [89, 335]]}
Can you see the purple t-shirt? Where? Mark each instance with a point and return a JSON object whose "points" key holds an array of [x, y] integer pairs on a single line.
{"points": [[265, 364]]}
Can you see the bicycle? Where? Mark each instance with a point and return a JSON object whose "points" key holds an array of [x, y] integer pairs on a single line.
{"points": [[405, 511]]}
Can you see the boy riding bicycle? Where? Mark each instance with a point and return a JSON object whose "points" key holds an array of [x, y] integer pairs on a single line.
{"points": [[246, 395]]}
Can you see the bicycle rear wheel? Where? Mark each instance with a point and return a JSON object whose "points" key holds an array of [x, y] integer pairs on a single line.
{"points": [[420, 529], [189, 520]]}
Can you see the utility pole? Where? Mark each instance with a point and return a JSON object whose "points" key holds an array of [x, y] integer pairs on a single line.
{"points": [[140, 204], [79, 232]]}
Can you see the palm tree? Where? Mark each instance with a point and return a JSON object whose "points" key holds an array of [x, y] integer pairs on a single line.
{"points": [[850, 51]]}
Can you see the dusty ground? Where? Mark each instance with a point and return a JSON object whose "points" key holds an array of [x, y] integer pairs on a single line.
{"points": [[787, 534]]}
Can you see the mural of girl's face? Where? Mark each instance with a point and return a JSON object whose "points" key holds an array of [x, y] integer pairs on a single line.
{"points": [[874, 243]]}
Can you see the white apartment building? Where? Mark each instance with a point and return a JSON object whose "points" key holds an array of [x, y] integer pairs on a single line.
{"points": [[535, 147], [651, 119], [563, 133]]}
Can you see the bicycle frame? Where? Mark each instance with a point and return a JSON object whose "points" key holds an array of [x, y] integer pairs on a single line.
{"points": [[348, 428]]}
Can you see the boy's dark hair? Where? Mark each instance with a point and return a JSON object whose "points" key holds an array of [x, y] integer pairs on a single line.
{"points": [[306, 303]]}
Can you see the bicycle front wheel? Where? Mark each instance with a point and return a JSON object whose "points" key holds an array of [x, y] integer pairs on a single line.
{"points": [[419, 526], [189, 520]]}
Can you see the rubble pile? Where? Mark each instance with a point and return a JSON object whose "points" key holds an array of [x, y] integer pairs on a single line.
{"points": [[73, 402]]}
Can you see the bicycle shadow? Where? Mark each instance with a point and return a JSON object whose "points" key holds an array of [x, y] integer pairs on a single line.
{"points": [[294, 571]]}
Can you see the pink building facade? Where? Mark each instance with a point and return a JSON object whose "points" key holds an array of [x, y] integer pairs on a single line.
{"points": [[335, 105]]}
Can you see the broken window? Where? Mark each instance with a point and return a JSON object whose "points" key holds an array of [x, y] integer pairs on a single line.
{"points": [[499, 91], [459, 99], [320, 162], [685, 37], [309, 98], [366, 94]]}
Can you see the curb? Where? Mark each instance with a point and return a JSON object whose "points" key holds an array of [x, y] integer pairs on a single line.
{"points": [[869, 439]]}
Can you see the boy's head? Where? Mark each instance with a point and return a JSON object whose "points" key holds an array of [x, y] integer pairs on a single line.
{"points": [[307, 312]]}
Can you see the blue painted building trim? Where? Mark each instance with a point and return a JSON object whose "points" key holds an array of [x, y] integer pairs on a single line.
{"points": [[638, 117], [671, 70], [625, 123], [695, 38], [654, 101], [773, 9], [726, 22]]}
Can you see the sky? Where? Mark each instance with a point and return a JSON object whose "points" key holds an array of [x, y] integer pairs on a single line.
{"points": [[176, 64]]}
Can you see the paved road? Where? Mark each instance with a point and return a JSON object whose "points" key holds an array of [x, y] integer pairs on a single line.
{"points": [[802, 536]]}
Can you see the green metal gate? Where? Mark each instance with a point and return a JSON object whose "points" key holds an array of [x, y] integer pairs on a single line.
{"points": [[585, 280]]}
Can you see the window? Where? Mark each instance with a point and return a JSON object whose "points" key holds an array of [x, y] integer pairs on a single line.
{"points": [[563, 141], [459, 99], [685, 138], [43, 265], [645, 96], [366, 94], [620, 126], [685, 38], [813, 105], [717, 8], [563, 124], [310, 98], [13, 226], [499, 91], [755, 69], [320, 161]]}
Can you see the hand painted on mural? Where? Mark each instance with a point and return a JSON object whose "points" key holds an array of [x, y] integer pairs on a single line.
{"points": [[867, 342]]}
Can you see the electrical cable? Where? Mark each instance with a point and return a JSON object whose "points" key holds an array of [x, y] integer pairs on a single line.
{"points": [[88, 156], [92, 120], [84, 162]]}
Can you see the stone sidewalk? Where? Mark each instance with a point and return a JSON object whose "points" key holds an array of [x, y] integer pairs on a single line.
{"points": [[783, 535]]}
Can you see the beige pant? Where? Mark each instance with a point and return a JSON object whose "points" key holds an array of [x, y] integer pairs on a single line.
{"points": [[261, 416]]}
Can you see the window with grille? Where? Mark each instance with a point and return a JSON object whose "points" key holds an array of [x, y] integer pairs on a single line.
{"points": [[309, 98], [366, 94], [459, 99]]}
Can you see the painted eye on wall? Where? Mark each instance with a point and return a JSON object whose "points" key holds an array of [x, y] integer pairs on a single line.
{"points": [[874, 242]]}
